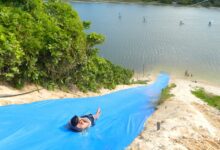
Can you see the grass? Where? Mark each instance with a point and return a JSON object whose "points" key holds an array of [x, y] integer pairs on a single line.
{"points": [[211, 99], [165, 94]]}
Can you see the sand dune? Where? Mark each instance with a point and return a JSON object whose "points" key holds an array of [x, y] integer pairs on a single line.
{"points": [[186, 122]]}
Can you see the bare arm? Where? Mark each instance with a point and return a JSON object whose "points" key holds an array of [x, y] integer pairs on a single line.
{"points": [[86, 121]]}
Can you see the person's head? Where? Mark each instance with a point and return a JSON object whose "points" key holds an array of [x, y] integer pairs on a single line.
{"points": [[75, 124], [74, 121]]}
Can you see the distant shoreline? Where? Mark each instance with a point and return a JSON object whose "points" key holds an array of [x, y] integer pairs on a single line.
{"points": [[141, 2], [118, 2]]}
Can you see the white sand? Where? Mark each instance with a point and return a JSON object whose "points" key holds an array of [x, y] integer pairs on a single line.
{"points": [[45, 94], [186, 121]]}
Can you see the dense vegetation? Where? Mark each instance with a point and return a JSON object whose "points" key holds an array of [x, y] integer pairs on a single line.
{"points": [[211, 99], [44, 42], [166, 93]]}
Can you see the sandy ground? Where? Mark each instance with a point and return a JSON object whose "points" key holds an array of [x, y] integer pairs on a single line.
{"points": [[186, 122], [44, 94]]}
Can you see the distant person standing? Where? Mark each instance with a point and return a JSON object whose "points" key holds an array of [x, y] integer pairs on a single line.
{"points": [[186, 73], [144, 19], [119, 16]]}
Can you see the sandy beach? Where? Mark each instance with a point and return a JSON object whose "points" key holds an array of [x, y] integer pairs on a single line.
{"points": [[186, 122]]}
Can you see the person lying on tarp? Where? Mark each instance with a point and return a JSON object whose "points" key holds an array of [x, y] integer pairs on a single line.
{"points": [[81, 123]]}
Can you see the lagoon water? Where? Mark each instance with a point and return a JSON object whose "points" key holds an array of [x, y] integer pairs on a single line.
{"points": [[150, 38]]}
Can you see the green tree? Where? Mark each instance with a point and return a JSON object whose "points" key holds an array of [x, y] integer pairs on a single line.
{"points": [[45, 43]]}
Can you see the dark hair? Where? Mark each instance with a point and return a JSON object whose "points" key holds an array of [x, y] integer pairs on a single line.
{"points": [[74, 121]]}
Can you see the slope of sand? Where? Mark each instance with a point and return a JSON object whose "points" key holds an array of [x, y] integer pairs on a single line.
{"points": [[186, 122], [44, 94]]}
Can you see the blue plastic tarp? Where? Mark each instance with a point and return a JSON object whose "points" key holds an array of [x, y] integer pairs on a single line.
{"points": [[42, 125]]}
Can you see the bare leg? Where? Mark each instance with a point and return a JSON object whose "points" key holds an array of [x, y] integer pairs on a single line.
{"points": [[98, 112]]}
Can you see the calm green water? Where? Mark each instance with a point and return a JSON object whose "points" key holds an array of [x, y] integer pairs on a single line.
{"points": [[150, 39]]}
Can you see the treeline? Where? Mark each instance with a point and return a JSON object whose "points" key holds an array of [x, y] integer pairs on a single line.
{"points": [[44, 42], [188, 2], [192, 2], [205, 3]]}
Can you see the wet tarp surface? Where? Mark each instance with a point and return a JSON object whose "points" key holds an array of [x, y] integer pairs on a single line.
{"points": [[42, 125]]}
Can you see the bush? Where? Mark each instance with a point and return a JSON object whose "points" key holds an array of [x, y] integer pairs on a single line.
{"points": [[45, 43], [99, 72], [165, 94]]}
